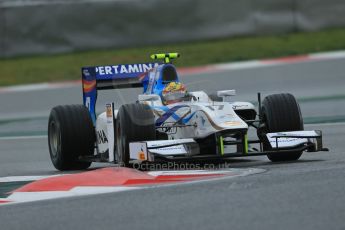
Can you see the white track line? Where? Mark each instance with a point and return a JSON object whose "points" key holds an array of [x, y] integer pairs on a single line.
{"points": [[326, 124], [22, 137], [19, 197], [328, 55], [26, 178]]}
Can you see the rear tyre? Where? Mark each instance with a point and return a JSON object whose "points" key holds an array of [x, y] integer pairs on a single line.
{"points": [[280, 113], [134, 122], [70, 135]]}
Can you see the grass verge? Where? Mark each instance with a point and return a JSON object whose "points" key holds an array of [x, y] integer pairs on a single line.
{"points": [[67, 66]]}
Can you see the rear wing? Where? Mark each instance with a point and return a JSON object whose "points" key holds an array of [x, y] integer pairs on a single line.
{"points": [[111, 77]]}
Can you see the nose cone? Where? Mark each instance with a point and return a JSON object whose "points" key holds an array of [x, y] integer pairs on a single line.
{"points": [[225, 117]]}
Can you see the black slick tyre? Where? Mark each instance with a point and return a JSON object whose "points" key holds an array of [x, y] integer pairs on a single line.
{"points": [[70, 135], [280, 113], [134, 122]]}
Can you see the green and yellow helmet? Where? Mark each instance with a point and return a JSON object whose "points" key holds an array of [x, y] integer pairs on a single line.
{"points": [[173, 92]]}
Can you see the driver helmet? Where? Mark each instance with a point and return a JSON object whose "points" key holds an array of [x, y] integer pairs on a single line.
{"points": [[173, 92]]}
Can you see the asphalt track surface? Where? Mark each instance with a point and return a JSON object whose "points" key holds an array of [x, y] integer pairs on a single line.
{"points": [[307, 194]]}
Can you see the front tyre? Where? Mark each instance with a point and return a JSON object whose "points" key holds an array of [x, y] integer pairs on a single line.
{"points": [[70, 135], [280, 113], [134, 122]]}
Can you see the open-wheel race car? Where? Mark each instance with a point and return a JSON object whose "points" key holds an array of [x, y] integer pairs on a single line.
{"points": [[168, 123]]}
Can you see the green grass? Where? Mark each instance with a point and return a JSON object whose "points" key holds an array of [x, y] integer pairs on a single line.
{"points": [[67, 66]]}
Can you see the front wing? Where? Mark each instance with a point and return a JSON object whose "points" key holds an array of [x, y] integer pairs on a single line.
{"points": [[188, 149]]}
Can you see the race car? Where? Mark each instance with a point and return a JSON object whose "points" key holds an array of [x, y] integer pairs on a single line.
{"points": [[168, 123]]}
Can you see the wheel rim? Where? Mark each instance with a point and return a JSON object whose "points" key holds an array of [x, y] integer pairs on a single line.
{"points": [[54, 139]]}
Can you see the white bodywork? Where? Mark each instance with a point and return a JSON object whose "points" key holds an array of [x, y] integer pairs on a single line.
{"points": [[102, 133], [292, 139], [186, 121], [199, 117], [144, 150]]}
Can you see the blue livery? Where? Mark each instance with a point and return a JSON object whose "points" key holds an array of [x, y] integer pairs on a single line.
{"points": [[152, 77]]}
